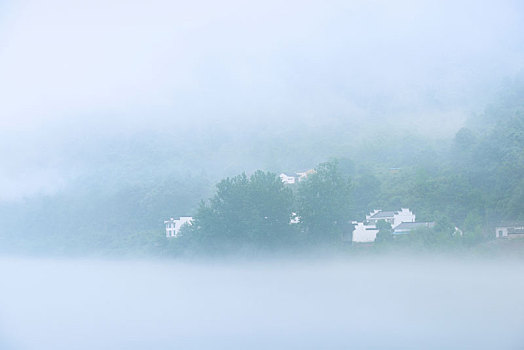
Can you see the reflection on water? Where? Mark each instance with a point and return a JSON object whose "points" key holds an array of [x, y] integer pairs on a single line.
{"points": [[430, 304]]}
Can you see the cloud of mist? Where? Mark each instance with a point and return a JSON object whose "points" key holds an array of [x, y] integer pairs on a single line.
{"points": [[75, 70]]}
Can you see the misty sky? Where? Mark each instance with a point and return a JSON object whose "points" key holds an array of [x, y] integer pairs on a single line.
{"points": [[78, 69]]}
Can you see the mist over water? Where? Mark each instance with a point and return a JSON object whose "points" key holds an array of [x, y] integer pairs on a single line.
{"points": [[427, 303]]}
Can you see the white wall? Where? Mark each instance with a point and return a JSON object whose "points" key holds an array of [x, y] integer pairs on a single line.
{"points": [[287, 179], [173, 226], [404, 215], [501, 232], [364, 233]]}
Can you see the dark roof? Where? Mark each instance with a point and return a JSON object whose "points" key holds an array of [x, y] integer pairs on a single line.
{"points": [[413, 225], [511, 224], [383, 214], [515, 231]]}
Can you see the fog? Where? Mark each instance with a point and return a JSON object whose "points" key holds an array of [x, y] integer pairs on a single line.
{"points": [[76, 73], [429, 303]]}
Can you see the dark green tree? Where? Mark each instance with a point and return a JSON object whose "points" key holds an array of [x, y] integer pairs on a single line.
{"points": [[385, 232], [245, 211], [324, 204]]}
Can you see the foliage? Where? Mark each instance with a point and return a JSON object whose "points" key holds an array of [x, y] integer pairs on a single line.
{"points": [[324, 203], [470, 181], [385, 232], [245, 211]]}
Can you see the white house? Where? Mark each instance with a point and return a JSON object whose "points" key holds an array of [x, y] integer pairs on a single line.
{"points": [[303, 175], [297, 177], [364, 233], [402, 221], [395, 218], [173, 226], [288, 179], [510, 230], [295, 219]]}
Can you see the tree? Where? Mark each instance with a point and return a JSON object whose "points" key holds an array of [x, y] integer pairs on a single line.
{"points": [[324, 203], [385, 232], [366, 190], [245, 211], [472, 229]]}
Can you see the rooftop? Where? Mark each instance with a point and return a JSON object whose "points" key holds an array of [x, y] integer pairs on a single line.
{"points": [[515, 231], [414, 225], [511, 224], [383, 214]]}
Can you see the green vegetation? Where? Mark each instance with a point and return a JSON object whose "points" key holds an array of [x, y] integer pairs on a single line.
{"points": [[385, 232], [324, 203], [245, 211], [471, 181]]}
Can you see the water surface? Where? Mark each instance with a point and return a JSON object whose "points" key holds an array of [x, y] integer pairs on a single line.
{"points": [[371, 304]]}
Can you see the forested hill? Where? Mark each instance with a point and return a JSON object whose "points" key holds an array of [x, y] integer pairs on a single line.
{"points": [[471, 180], [480, 174]]}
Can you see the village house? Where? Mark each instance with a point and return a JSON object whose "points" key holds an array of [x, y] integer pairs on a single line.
{"points": [[303, 175], [364, 233], [288, 179], [297, 177], [510, 230], [395, 218], [402, 222], [173, 226]]}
